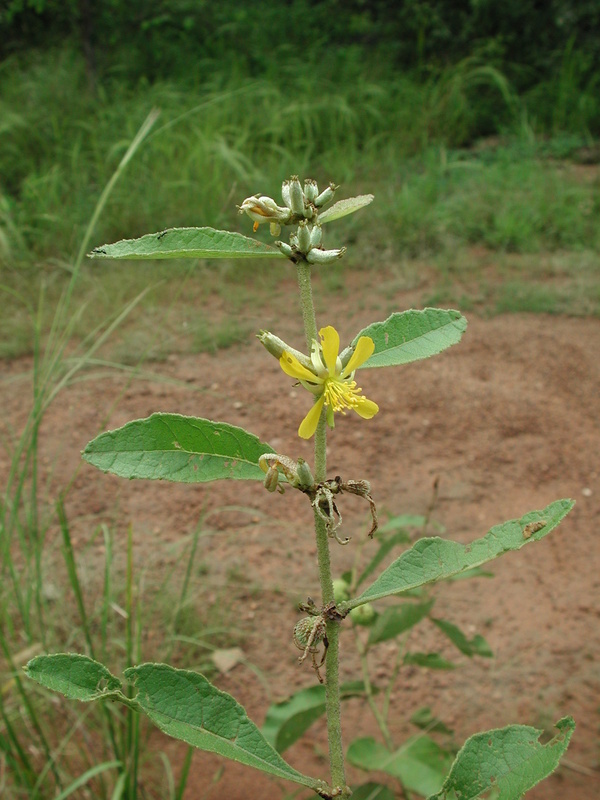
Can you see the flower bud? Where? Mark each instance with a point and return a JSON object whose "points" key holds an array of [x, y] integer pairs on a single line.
{"points": [[316, 234], [277, 347], [285, 193], [285, 249], [303, 237], [305, 478], [311, 190], [321, 257], [325, 196], [296, 196]]}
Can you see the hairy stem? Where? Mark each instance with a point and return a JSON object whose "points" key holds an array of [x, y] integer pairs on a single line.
{"points": [[332, 697]]}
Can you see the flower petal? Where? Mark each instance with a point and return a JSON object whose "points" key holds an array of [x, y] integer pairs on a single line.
{"points": [[366, 408], [309, 424], [330, 342], [362, 352], [292, 367]]}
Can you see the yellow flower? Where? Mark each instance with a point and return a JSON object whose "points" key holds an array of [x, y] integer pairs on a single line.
{"points": [[333, 384]]}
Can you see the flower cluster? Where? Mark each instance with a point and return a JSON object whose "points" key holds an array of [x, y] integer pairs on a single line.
{"points": [[301, 207]]}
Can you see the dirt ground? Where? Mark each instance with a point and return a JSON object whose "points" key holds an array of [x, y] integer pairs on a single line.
{"points": [[507, 421]]}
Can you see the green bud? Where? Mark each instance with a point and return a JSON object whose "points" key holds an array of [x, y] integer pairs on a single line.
{"points": [[363, 615], [316, 234], [311, 190], [285, 193], [303, 237], [325, 196], [305, 478], [296, 196], [271, 479], [277, 347], [321, 257], [285, 249], [341, 590]]}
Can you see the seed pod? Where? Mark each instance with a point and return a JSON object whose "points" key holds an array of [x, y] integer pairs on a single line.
{"points": [[305, 635], [341, 590]]}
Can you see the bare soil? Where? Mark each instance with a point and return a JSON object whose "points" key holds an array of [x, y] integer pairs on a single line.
{"points": [[507, 421]]}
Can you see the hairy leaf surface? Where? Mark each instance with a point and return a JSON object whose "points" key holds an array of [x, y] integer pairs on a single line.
{"points": [[506, 762], [433, 559], [76, 676], [176, 448], [186, 706], [188, 243], [412, 335]]}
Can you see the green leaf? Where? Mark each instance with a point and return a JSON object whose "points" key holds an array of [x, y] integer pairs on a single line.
{"points": [[411, 335], [344, 207], [402, 521], [434, 559], [389, 543], [287, 721], [175, 448], [75, 676], [186, 706], [372, 791], [477, 646], [187, 243], [424, 718], [420, 763], [507, 761], [394, 621], [428, 660]]}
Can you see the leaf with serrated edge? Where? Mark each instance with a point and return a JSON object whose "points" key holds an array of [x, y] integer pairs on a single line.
{"points": [[186, 706], [177, 448], [187, 243], [344, 207], [509, 761], [408, 336], [75, 676], [433, 559]]}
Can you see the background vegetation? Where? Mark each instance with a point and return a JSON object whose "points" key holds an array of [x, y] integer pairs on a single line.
{"points": [[475, 123]]}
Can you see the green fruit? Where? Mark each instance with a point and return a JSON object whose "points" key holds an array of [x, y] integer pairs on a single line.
{"points": [[341, 590], [363, 615]]}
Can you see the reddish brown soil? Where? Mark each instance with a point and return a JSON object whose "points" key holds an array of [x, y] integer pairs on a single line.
{"points": [[508, 422]]}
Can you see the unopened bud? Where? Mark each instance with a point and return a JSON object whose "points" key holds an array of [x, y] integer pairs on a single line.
{"points": [[303, 237], [271, 481], [316, 234], [285, 249], [285, 193], [325, 196], [296, 196], [277, 347], [322, 257], [305, 478], [311, 190]]}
